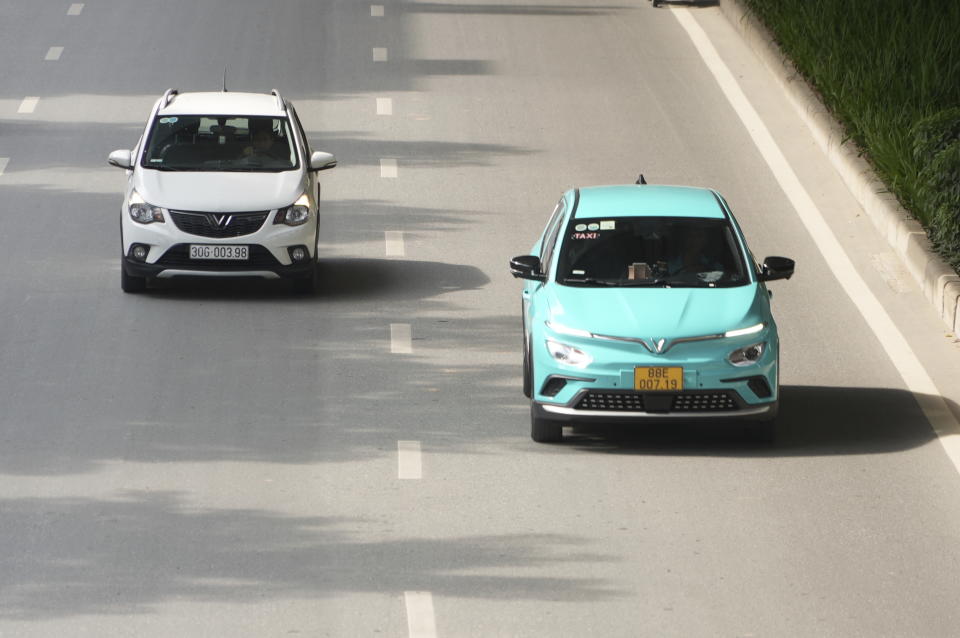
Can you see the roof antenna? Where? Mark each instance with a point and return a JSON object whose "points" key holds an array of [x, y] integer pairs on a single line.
{"points": [[224, 79], [640, 179]]}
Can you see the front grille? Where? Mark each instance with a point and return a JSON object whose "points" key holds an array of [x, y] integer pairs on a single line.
{"points": [[661, 403], [612, 401], [219, 225], [709, 402], [178, 256]]}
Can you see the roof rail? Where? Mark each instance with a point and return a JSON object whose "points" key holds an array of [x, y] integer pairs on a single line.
{"points": [[168, 97], [280, 103]]}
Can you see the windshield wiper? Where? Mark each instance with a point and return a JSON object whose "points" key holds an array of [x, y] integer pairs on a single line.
{"points": [[588, 280]]}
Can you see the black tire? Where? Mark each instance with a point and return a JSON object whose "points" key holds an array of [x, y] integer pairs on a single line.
{"points": [[306, 284], [527, 370], [544, 430], [131, 283]]}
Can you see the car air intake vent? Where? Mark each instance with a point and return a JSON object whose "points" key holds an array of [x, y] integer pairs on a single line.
{"points": [[612, 401], [711, 402], [628, 401], [219, 225], [178, 256]]}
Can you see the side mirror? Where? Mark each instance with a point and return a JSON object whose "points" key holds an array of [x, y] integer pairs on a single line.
{"points": [[776, 268], [320, 161], [527, 267], [121, 159]]}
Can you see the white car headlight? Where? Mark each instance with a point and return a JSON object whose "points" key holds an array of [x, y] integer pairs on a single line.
{"points": [[568, 354], [296, 214], [142, 212], [747, 355]]}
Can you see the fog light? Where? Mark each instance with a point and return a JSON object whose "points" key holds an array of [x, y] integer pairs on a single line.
{"points": [[139, 252], [298, 254]]}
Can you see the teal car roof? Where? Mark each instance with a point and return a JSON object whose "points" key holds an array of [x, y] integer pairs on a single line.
{"points": [[648, 201]]}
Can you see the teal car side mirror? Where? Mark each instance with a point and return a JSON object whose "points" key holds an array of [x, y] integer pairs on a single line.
{"points": [[527, 267], [776, 268]]}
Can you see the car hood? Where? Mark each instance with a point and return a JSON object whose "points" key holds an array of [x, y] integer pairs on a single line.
{"points": [[657, 312], [219, 192]]}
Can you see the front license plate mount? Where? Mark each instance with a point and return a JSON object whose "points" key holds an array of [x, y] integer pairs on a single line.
{"points": [[658, 378]]}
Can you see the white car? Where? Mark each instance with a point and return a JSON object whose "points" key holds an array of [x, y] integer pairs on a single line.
{"points": [[220, 184]]}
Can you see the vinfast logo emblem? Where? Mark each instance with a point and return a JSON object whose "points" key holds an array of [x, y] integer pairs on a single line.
{"points": [[656, 346], [219, 221]]}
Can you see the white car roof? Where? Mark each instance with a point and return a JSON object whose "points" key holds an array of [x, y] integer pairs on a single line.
{"points": [[223, 103]]}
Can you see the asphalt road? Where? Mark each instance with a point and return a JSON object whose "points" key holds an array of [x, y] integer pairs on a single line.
{"points": [[226, 459]]}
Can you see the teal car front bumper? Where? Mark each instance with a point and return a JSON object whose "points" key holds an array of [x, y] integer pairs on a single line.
{"points": [[605, 388]]}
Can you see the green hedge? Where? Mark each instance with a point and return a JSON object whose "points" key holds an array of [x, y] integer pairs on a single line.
{"points": [[890, 71]]}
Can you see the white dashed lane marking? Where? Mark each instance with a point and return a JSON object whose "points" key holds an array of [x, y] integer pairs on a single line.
{"points": [[409, 463], [376, 10], [75, 9], [388, 167], [400, 338], [379, 54], [3, 164], [28, 105], [384, 106], [54, 53], [394, 241], [420, 616]]}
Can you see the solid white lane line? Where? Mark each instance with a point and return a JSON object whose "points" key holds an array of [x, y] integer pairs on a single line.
{"points": [[379, 54], [3, 164], [388, 167], [394, 239], [894, 343], [28, 105], [409, 460], [400, 338], [384, 106], [376, 10], [54, 53], [420, 617], [75, 9]]}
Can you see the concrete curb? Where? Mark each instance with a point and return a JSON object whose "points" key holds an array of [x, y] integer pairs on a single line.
{"points": [[939, 282]]}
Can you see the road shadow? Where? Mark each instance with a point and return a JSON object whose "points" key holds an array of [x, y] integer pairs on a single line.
{"points": [[129, 554], [813, 421], [338, 279]]}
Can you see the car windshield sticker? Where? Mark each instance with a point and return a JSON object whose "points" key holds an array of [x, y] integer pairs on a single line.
{"points": [[580, 228], [156, 160], [168, 120], [608, 225], [579, 272], [593, 227], [585, 236]]}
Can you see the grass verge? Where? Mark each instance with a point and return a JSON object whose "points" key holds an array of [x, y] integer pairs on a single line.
{"points": [[889, 70]]}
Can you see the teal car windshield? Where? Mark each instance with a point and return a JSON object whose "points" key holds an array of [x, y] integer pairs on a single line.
{"points": [[651, 251]]}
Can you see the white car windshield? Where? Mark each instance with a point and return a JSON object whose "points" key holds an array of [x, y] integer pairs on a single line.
{"points": [[651, 251], [220, 143]]}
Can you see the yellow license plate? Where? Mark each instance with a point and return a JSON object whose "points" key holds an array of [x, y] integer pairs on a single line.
{"points": [[659, 378]]}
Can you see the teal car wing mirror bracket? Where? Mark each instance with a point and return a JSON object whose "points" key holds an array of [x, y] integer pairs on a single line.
{"points": [[527, 267]]}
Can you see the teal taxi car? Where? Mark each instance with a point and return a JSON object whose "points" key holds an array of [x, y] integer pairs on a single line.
{"points": [[643, 302]]}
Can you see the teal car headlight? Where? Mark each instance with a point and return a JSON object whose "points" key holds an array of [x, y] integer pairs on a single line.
{"points": [[747, 355], [568, 355]]}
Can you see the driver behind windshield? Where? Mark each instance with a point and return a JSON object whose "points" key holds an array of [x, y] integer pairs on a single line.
{"points": [[638, 251]]}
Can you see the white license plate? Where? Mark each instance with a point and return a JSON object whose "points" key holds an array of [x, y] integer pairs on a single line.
{"points": [[227, 253]]}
